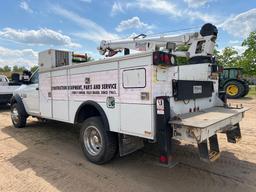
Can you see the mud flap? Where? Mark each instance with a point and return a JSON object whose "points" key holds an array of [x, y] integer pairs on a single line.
{"points": [[129, 144], [234, 135], [164, 132], [210, 153]]}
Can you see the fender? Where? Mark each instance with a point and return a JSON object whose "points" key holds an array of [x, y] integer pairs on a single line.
{"points": [[17, 99], [238, 80], [98, 108]]}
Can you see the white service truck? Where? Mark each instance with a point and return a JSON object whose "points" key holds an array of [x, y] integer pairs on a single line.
{"points": [[122, 101], [6, 89]]}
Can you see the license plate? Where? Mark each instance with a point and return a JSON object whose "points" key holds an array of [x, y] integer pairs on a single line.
{"points": [[197, 89]]}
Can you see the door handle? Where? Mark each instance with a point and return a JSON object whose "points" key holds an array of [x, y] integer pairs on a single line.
{"points": [[37, 88]]}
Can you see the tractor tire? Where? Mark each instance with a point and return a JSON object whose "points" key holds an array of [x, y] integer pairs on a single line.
{"points": [[246, 89], [98, 144], [234, 89]]}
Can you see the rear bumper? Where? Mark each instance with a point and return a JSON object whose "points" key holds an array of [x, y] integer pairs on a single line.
{"points": [[202, 127], [199, 126]]}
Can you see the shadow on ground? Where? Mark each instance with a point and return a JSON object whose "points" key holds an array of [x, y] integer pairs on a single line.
{"points": [[4, 108], [53, 153]]}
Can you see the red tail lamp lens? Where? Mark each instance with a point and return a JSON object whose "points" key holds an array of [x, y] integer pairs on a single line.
{"points": [[163, 159], [166, 59], [162, 58]]}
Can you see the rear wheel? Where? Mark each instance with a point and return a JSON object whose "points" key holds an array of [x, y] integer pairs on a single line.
{"points": [[19, 119], [98, 144], [234, 89], [246, 89]]}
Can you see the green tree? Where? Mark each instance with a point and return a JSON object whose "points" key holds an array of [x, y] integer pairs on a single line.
{"points": [[90, 59], [248, 60], [18, 69], [182, 60], [15, 68], [6, 68], [228, 58], [33, 68], [216, 54]]}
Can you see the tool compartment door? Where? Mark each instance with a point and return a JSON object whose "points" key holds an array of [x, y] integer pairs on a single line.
{"points": [[198, 126], [60, 98], [136, 106]]}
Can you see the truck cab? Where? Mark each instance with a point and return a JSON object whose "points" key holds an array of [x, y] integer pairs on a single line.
{"points": [[4, 81], [6, 89], [29, 94]]}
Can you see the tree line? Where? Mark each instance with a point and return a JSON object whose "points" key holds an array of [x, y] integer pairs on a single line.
{"points": [[16, 69], [229, 57]]}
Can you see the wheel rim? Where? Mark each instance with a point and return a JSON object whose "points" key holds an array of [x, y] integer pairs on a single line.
{"points": [[232, 90], [92, 140], [15, 115]]}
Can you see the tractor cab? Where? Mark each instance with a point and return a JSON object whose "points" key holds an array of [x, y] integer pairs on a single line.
{"points": [[231, 81], [231, 73]]}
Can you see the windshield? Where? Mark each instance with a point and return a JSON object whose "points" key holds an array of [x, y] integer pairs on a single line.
{"points": [[234, 73], [35, 77]]}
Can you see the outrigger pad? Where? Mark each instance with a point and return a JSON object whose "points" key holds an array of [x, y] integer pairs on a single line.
{"points": [[234, 135], [212, 153]]}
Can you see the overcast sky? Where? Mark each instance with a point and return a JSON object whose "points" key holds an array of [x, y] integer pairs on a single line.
{"points": [[28, 26]]}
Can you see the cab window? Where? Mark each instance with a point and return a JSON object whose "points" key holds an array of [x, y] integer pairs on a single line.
{"points": [[233, 73], [224, 75], [35, 78]]}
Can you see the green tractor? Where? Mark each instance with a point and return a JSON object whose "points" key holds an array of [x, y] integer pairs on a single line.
{"points": [[232, 82]]}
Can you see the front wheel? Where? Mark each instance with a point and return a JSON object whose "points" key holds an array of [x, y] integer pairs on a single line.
{"points": [[98, 144], [19, 119]]}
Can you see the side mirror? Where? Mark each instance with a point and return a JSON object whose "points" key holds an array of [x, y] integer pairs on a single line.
{"points": [[25, 79]]}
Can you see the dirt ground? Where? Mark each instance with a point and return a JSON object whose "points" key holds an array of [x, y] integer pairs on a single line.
{"points": [[47, 157]]}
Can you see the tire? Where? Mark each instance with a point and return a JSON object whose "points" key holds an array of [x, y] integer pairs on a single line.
{"points": [[234, 89], [18, 116], [99, 145], [246, 89]]}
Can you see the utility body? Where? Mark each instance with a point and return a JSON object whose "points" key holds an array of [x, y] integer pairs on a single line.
{"points": [[121, 102]]}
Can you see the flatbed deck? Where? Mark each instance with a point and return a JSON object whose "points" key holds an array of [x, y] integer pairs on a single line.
{"points": [[199, 126], [207, 117]]}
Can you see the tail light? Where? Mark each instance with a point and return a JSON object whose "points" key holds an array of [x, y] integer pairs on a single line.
{"points": [[162, 58], [163, 159]]}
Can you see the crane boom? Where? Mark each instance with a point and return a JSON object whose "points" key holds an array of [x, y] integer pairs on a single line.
{"points": [[200, 44]]}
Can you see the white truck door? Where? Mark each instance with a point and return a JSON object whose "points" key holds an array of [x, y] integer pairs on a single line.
{"points": [[30, 95], [45, 95]]}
